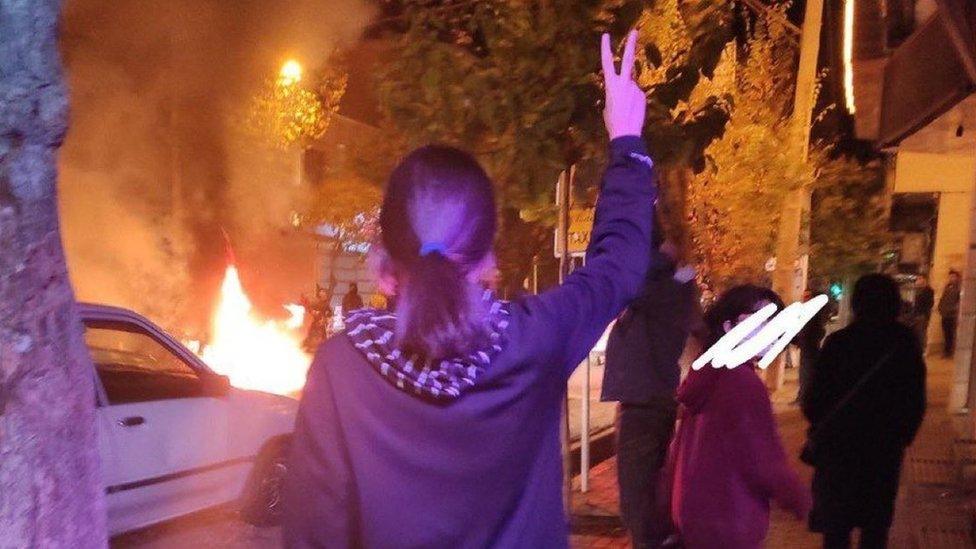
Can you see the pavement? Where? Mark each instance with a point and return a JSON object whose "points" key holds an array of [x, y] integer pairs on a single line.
{"points": [[934, 507]]}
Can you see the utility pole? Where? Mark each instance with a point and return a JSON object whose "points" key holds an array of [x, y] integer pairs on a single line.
{"points": [[793, 237], [789, 277], [563, 195]]}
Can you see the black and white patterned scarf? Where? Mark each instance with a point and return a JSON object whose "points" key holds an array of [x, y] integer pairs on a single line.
{"points": [[372, 332]]}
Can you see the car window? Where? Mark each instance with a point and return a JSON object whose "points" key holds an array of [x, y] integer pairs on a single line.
{"points": [[135, 367]]}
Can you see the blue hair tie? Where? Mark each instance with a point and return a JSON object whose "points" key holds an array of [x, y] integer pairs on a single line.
{"points": [[428, 248]]}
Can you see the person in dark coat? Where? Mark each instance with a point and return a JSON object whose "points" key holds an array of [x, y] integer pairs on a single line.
{"points": [[949, 311], [808, 341], [438, 425], [860, 444], [922, 308], [729, 462], [352, 301], [642, 373]]}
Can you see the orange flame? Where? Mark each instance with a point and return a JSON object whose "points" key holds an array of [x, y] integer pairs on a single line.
{"points": [[265, 355]]}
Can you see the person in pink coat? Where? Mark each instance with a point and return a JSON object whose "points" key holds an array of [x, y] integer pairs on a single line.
{"points": [[728, 459]]}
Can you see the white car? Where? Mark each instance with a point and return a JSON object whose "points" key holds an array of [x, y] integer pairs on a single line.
{"points": [[175, 437]]}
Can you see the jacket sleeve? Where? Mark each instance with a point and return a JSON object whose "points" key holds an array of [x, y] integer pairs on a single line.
{"points": [[318, 494], [571, 318], [763, 456]]}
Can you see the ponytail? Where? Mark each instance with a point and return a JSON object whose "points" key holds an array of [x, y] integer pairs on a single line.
{"points": [[437, 227], [439, 313]]}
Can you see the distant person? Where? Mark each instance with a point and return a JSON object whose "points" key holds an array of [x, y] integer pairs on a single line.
{"points": [[924, 301], [808, 341], [352, 301], [642, 373], [728, 459], [865, 404], [438, 426], [949, 311]]}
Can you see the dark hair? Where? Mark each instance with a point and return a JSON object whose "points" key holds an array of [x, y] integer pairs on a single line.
{"points": [[737, 301], [438, 224], [876, 297], [353, 288], [662, 265]]}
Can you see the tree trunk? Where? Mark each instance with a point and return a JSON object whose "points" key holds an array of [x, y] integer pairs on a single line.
{"points": [[50, 483]]}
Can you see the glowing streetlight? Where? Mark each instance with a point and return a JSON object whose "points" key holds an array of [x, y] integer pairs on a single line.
{"points": [[849, 55], [290, 73]]}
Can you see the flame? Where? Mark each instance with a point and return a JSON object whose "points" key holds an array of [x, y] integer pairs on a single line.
{"points": [[265, 355], [297, 316]]}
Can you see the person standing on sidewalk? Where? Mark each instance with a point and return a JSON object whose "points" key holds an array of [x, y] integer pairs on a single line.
{"points": [[949, 311], [865, 404], [642, 374], [352, 301], [728, 459], [438, 425], [924, 301], [808, 341]]}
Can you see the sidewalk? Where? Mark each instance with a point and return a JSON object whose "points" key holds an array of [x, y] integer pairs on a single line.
{"points": [[933, 509]]}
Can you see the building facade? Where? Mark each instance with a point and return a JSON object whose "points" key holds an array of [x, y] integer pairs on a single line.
{"points": [[913, 65]]}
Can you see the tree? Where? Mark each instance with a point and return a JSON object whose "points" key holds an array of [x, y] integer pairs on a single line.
{"points": [[288, 113], [737, 200], [848, 224], [517, 83], [683, 44], [49, 471]]}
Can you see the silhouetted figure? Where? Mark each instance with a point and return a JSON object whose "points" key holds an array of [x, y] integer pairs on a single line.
{"points": [[642, 373], [808, 341], [949, 311], [352, 301], [865, 404], [924, 301]]}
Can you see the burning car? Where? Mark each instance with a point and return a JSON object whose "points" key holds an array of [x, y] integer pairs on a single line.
{"points": [[174, 436]]}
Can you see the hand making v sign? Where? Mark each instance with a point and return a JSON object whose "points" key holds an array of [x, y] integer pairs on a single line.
{"points": [[625, 102]]}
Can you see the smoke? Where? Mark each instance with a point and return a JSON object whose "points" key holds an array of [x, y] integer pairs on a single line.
{"points": [[156, 167]]}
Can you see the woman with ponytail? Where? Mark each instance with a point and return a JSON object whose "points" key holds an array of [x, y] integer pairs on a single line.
{"points": [[437, 424]]}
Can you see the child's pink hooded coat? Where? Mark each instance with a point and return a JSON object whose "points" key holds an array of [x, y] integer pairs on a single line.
{"points": [[729, 461]]}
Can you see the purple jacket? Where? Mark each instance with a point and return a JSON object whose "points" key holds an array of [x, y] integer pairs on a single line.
{"points": [[729, 461], [376, 464]]}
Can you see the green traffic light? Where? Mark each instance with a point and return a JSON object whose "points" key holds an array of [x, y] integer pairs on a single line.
{"points": [[836, 290]]}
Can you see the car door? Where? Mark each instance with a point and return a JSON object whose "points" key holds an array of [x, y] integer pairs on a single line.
{"points": [[166, 428]]}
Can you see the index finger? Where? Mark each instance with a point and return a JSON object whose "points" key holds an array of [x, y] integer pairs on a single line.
{"points": [[627, 64], [606, 55]]}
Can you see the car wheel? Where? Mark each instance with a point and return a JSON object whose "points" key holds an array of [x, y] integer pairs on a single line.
{"points": [[262, 496]]}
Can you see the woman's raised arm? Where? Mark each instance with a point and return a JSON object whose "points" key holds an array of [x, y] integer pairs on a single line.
{"points": [[575, 314]]}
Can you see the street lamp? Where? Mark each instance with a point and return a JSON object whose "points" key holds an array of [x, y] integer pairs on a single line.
{"points": [[849, 55], [290, 73]]}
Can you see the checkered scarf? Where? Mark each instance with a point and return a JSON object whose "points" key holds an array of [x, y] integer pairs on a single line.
{"points": [[372, 332]]}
